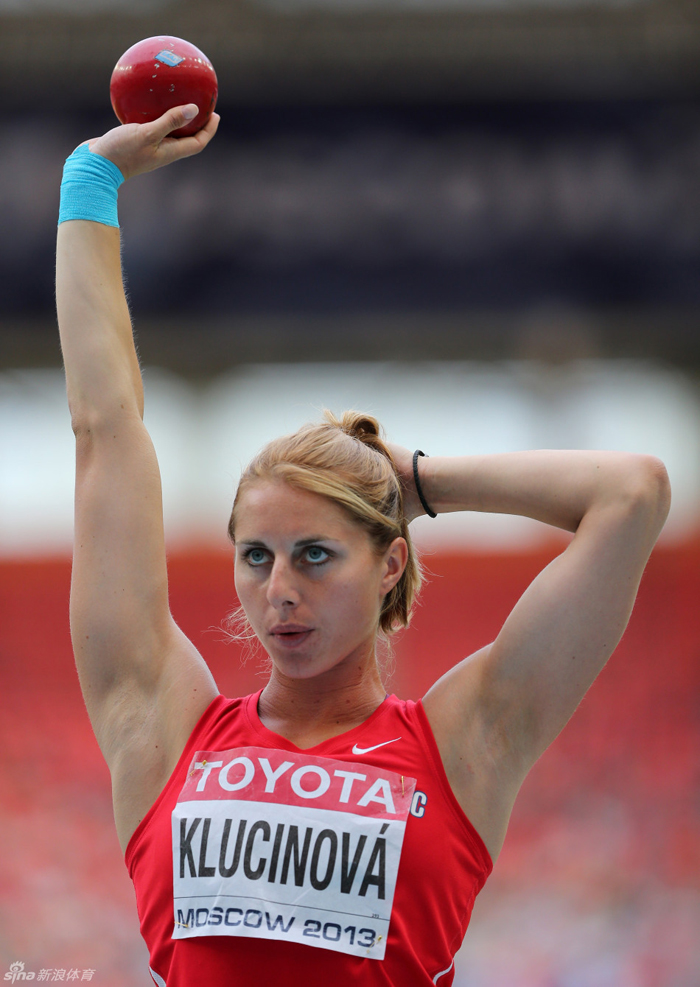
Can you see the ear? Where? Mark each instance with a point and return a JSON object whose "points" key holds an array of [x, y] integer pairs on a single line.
{"points": [[395, 559]]}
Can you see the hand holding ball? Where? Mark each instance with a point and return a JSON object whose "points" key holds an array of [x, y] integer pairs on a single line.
{"points": [[156, 74]]}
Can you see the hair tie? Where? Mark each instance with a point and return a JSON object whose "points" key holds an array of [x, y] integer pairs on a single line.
{"points": [[423, 501]]}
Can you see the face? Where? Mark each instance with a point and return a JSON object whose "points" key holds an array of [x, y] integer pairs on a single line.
{"points": [[309, 578]]}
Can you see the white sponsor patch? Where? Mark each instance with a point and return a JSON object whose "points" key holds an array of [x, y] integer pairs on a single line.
{"points": [[284, 845]]}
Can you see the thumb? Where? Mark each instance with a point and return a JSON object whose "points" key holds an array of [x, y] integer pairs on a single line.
{"points": [[173, 119]]}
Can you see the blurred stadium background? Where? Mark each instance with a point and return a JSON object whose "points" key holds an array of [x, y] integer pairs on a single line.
{"points": [[479, 219]]}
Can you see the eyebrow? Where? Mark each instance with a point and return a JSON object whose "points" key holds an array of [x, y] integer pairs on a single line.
{"points": [[302, 543]]}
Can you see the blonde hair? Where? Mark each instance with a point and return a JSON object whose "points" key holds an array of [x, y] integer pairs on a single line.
{"points": [[346, 460]]}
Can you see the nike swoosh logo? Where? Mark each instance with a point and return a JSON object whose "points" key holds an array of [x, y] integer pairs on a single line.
{"points": [[366, 750]]}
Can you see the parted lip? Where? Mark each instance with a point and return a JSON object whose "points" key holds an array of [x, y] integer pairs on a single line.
{"points": [[289, 629]]}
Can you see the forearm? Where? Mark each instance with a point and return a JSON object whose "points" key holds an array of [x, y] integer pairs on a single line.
{"points": [[558, 487], [102, 371]]}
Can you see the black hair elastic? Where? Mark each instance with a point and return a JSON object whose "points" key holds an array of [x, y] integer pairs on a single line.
{"points": [[423, 501]]}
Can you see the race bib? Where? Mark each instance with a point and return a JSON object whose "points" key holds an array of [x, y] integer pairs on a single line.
{"points": [[283, 845]]}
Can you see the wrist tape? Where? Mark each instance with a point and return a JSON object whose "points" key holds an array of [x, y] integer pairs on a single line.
{"points": [[89, 188]]}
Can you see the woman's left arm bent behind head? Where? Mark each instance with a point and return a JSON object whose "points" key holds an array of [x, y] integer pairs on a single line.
{"points": [[495, 713]]}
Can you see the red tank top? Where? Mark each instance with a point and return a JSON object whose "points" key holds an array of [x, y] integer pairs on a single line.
{"points": [[347, 863]]}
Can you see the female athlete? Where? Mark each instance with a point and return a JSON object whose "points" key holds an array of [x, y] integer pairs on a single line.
{"points": [[320, 831]]}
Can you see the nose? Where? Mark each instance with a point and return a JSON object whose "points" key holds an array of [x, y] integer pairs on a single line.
{"points": [[282, 588]]}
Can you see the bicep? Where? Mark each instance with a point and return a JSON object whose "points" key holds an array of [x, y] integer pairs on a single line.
{"points": [[495, 713], [124, 638], [119, 586], [563, 630]]}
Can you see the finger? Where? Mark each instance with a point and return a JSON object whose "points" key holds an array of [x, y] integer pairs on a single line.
{"points": [[203, 136], [183, 147], [172, 119]]}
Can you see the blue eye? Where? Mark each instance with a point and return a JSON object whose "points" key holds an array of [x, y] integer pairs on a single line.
{"points": [[256, 556], [316, 554]]}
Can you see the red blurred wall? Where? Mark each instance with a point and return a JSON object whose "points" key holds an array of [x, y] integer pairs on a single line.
{"points": [[65, 898]]}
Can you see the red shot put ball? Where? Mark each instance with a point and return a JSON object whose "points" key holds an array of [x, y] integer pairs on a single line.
{"points": [[161, 72]]}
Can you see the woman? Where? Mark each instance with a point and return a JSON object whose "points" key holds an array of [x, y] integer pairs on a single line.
{"points": [[317, 831]]}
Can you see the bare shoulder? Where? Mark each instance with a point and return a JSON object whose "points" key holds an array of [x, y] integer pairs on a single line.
{"points": [[474, 747]]}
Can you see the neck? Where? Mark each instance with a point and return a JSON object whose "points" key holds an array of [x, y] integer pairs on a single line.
{"points": [[309, 711]]}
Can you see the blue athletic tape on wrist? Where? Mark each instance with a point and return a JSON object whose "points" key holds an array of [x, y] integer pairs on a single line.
{"points": [[89, 188]]}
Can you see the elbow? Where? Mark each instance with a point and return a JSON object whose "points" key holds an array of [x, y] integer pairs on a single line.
{"points": [[80, 424], [85, 425], [649, 488], [91, 425]]}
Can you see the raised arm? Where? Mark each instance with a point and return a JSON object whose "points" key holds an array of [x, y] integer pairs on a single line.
{"points": [[144, 683], [496, 712]]}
